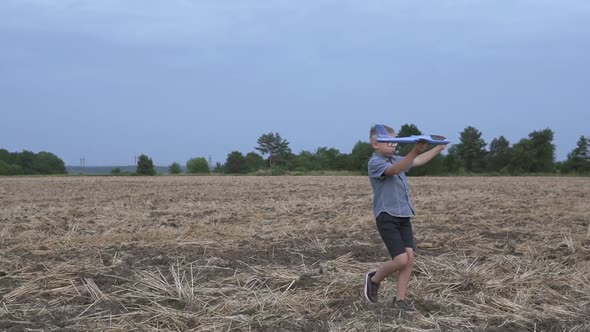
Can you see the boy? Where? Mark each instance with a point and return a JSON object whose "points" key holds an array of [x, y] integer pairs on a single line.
{"points": [[393, 208]]}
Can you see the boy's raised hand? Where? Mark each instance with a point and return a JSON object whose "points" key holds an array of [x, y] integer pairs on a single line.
{"points": [[420, 147]]}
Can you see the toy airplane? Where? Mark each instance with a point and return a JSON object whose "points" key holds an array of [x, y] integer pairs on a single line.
{"points": [[430, 139], [384, 136]]}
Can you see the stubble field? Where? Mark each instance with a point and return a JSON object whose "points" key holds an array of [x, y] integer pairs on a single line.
{"points": [[289, 254]]}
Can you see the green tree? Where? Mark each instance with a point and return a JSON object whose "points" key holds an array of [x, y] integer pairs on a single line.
{"points": [[330, 159], [579, 159], [10, 169], [25, 160], [145, 166], [535, 154], [48, 163], [198, 165], [499, 155], [582, 150], [254, 161], [276, 147], [236, 163], [7, 157], [342, 161], [522, 157], [360, 155], [175, 168], [305, 161], [407, 130], [452, 162], [471, 150], [116, 171], [544, 149], [219, 168]]}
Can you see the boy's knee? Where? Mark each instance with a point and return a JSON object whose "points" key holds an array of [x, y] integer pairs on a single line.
{"points": [[402, 259]]}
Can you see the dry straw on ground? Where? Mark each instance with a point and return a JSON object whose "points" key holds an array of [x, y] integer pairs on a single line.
{"points": [[288, 254]]}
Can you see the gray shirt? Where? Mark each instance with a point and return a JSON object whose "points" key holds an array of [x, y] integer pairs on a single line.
{"points": [[391, 194]]}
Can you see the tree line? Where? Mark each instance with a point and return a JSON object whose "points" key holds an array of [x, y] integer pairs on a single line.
{"points": [[30, 163], [471, 155], [534, 154]]}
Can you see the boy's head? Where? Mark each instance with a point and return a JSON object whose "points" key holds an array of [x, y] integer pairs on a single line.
{"points": [[379, 135]]}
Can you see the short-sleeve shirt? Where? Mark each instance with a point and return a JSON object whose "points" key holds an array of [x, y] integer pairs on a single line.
{"points": [[391, 194]]}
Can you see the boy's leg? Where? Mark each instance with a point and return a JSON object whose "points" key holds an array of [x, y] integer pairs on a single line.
{"points": [[405, 274], [373, 279], [389, 229], [391, 266]]}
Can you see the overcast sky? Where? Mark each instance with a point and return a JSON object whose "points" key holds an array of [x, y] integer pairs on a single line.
{"points": [[175, 79]]}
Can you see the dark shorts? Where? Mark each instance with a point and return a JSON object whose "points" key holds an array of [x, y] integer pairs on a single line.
{"points": [[396, 232]]}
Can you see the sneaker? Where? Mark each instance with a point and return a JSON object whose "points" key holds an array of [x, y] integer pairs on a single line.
{"points": [[371, 288], [405, 305]]}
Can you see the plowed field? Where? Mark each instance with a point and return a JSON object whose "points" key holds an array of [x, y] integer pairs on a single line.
{"points": [[289, 254]]}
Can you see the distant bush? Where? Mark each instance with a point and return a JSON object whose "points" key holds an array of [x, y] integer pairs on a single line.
{"points": [[278, 170], [116, 171], [175, 168], [145, 166], [254, 162], [219, 168], [236, 163], [198, 165]]}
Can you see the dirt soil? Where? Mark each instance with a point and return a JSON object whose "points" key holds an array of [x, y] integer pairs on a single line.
{"points": [[181, 253]]}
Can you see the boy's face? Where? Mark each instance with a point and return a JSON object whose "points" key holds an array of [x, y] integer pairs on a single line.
{"points": [[386, 149]]}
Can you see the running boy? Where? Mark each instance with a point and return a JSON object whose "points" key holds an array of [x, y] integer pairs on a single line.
{"points": [[393, 208]]}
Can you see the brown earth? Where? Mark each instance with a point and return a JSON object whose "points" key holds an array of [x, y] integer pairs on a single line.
{"points": [[288, 254]]}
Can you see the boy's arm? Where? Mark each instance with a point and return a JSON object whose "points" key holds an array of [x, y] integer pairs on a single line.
{"points": [[406, 162], [428, 155]]}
